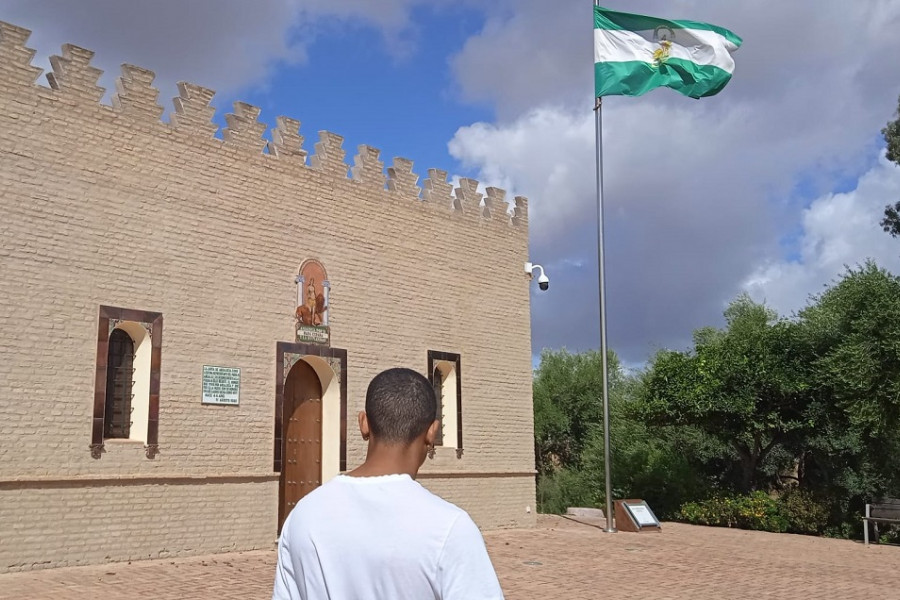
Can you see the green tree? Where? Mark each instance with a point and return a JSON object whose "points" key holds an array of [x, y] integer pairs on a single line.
{"points": [[891, 132], [567, 406], [853, 329], [851, 335], [651, 463], [743, 386], [662, 465], [567, 403]]}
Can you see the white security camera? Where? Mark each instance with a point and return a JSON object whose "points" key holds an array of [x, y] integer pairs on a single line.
{"points": [[543, 280]]}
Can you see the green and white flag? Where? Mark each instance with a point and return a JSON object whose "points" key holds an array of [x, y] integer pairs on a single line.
{"points": [[634, 54]]}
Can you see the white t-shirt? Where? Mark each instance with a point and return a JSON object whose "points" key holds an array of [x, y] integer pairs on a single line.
{"points": [[368, 538]]}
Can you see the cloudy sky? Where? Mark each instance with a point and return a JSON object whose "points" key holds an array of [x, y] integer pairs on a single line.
{"points": [[771, 187]]}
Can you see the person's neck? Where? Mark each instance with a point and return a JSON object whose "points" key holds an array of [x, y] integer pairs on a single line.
{"points": [[388, 459]]}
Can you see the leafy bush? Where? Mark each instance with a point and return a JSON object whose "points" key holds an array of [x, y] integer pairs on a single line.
{"points": [[651, 465], [804, 513], [795, 512], [560, 489], [889, 534], [753, 511], [844, 531]]}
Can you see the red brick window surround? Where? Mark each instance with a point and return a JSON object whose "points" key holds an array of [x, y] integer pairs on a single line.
{"points": [[108, 418]]}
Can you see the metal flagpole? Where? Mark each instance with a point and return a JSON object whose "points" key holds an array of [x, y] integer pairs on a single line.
{"points": [[598, 114]]}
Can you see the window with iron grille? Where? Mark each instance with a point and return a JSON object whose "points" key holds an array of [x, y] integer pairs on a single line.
{"points": [[119, 385], [127, 379]]}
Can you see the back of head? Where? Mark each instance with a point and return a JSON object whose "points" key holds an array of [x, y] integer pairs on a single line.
{"points": [[400, 406]]}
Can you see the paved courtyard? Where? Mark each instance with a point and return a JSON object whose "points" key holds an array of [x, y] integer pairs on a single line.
{"points": [[559, 559]]}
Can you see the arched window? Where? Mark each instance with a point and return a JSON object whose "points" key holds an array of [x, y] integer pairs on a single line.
{"points": [[443, 370], [119, 384], [126, 388]]}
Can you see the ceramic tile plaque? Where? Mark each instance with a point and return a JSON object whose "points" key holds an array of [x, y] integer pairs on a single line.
{"points": [[221, 385], [313, 290]]}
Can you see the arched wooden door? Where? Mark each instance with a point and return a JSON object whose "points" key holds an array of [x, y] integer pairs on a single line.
{"points": [[301, 470]]}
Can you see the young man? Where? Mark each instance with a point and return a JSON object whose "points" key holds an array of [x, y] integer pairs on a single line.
{"points": [[377, 534]]}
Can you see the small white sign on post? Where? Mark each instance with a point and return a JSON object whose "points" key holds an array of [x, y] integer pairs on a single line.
{"points": [[221, 385]]}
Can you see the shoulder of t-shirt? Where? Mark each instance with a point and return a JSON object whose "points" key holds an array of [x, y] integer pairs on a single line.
{"points": [[319, 494], [463, 523], [323, 494], [310, 501], [454, 523], [452, 511], [462, 536]]}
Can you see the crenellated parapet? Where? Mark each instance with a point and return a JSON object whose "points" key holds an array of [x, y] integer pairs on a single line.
{"points": [[74, 76], [401, 179], [437, 189], [520, 211], [244, 129], [495, 204], [15, 57], [367, 167], [193, 112], [468, 198], [329, 156], [135, 95], [287, 143], [74, 80]]}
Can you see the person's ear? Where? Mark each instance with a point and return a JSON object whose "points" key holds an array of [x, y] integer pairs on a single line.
{"points": [[364, 425], [431, 434]]}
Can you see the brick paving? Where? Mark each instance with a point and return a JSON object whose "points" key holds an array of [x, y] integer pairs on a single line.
{"points": [[561, 558]]}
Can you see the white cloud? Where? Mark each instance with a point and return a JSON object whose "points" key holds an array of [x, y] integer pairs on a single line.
{"points": [[531, 52], [699, 194], [543, 153], [679, 224], [227, 45], [838, 230], [528, 53]]}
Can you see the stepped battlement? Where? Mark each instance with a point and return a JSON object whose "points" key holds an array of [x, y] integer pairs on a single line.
{"points": [[73, 81]]}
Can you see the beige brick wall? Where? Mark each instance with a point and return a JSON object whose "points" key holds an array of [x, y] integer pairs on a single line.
{"points": [[109, 205], [77, 523], [65, 523], [492, 501]]}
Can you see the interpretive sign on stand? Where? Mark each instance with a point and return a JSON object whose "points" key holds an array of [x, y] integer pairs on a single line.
{"points": [[635, 515]]}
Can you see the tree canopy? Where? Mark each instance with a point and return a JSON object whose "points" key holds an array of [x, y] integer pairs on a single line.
{"points": [[742, 385], [853, 329], [891, 133], [567, 403]]}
